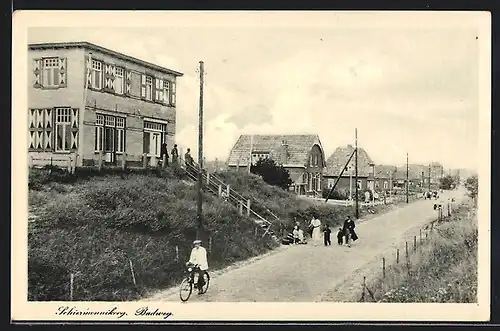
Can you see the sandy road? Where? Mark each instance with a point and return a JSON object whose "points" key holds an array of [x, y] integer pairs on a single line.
{"points": [[308, 273]]}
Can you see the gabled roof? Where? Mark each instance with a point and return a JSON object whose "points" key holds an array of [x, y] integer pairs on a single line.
{"points": [[97, 48], [383, 170], [299, 148], [339, 158]]}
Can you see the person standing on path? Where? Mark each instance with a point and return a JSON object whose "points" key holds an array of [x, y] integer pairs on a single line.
{"points": [[175, 155], [349, 232], [326, 235], [316, 230]]}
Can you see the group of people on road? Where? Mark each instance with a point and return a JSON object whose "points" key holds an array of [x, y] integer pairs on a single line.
{"points": [[345, 235]]}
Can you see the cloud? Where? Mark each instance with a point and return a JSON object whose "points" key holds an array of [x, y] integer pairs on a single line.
{"points": [[408, 90]]}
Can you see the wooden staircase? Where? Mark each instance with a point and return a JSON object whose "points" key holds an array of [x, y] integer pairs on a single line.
{"points": [[218, 188]]}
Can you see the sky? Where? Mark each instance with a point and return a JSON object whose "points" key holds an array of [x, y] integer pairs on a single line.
{"points": [[407, 89]]}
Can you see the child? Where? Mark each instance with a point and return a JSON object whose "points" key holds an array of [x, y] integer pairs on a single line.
{"points": [[326, 235], [340, 237], [296, 235], [302, 240]]}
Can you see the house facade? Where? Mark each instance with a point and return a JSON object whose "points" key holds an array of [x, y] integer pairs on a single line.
{"points": [[301, 155], [337, 161], [91, 103]]}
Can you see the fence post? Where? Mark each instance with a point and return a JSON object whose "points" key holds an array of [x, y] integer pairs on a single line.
{"points": [[144, 160], [177, 253], [208, 178], [68, 166], [241, 207], [414, 243], [71, 282], [228, 191], [397, 255], [248, 207], [383, 267], [132, 270], [364, 289], [220, 190], [164, 161]]}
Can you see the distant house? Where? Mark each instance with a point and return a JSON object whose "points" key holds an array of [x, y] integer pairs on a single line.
{"points": [[337, 161], [385, 175], [301, 154]]}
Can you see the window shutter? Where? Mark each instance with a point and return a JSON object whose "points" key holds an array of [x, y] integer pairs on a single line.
{"points": [[63, 69], [157, 89], [154, 88], [143, 86], [128, 79], [109, 77], [37, 72], [172, 93], [88, 72]]}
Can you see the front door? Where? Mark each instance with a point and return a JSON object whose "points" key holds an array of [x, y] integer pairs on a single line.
{"points": [[154, 146]]}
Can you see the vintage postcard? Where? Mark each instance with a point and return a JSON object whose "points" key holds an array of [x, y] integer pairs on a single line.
{"points": [[251, 166]]}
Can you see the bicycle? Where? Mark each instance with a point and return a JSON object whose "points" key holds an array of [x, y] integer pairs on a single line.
{"points": [[191, 281]]}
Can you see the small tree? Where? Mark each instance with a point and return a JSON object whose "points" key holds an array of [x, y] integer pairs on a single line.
{"points": [[471, 184], [447, 182], [272, 173]]}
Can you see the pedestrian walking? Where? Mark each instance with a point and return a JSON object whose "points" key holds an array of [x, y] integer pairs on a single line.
{"points": [[326, 235], [349, 232], [315, 226], [340, 237]]}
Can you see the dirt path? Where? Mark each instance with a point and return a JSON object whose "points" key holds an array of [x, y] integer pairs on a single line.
{"points": [[308, 273]]}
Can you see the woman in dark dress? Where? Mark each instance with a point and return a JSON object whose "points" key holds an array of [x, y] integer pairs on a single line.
{"points": [[349, 232]]}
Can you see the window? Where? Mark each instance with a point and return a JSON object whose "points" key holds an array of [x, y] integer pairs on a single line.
{"points": [[66, 129], [386, 185], [110, 134], [119, 82], [154, 135], [360, 183], [50, 72], [147, 87], [96, 74], [159, 90], [166, 92]]}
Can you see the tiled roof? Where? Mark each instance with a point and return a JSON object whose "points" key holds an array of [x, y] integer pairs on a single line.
{"points": [[383, 170], [339, 158], [97, 48], [299, 147]]}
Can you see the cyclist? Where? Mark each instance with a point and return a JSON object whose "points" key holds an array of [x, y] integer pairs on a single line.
{"points": [[198, 257]]}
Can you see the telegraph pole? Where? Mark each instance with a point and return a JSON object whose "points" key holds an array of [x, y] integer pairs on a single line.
{"points": [[200, 154], [429, 183], [407, 181], [356, 169]]}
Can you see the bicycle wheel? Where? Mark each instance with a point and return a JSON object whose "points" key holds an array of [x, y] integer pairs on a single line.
{"points": [[186, 290], [206, 278]]}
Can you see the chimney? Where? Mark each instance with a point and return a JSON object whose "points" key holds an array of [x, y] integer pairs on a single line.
{"points": [[284, 152]]}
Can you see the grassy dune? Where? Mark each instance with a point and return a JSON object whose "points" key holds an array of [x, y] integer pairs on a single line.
{"points": [[443, 270]]}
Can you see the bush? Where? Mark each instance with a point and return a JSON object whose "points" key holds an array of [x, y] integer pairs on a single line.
{"points": [[272, 173]]}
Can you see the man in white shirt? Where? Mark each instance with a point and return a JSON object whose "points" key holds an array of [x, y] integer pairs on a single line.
{"points": [[198, 257]]}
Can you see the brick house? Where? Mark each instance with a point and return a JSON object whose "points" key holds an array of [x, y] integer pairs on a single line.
{"points": [[86, 100], [301, 154], [337, 161], [385, 175]]}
